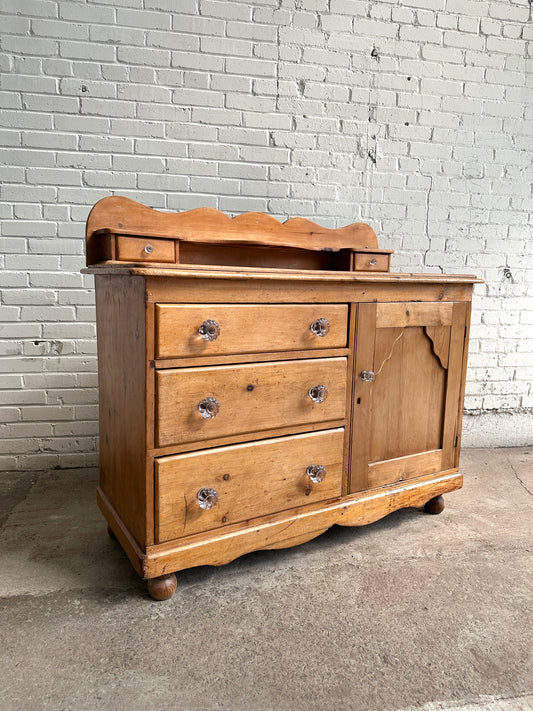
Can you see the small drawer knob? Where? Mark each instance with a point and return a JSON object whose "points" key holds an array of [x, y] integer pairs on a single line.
{"points": [[368, 376], [373, 262], [316, 473], [149, 248], [320, 327], [209, 330], [318, 393], [209, 407], [207, 498]]}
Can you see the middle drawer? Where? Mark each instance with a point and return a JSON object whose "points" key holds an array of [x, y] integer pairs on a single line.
{"points": [[194, 404]]}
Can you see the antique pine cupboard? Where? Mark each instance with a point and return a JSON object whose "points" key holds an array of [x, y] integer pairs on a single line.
{"points": [[260, 382]]}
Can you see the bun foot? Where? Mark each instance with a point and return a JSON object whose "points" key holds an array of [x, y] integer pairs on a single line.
{"points": [[162, 588], [111, 533], [435, 505]]}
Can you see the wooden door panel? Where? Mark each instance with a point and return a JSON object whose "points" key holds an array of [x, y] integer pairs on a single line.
{"points": [[408, 394], [405, 417]]}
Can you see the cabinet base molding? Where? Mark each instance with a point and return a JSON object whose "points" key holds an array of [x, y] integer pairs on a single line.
{"points": [[221, 547]]}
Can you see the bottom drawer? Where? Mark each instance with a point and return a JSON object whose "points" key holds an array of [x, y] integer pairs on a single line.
{"points": [[216, 487]]}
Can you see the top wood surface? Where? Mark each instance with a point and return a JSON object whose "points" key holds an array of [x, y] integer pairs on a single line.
{"points": [[288, 275], [121, 215]]}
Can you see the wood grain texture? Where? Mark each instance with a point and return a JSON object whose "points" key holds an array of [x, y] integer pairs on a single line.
{"points": [[247, 328], [240, 273], [401, 468], [407, 395], [352, 326], [460, 404], [120, 314], [251, 480], [453, 386], [265, 291], [121, 215], [363, 345], [413, 314], [294, 527], [247, 437], [252, 397], [253, 255], [247, 358]]}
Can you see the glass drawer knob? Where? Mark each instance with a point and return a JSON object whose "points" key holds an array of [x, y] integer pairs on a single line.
{"points": [[149, 248], [318, 393], [209, 407], [316, 473], [207, 498], [320, 327], [209, 330], [373, 262], [368, 376]]}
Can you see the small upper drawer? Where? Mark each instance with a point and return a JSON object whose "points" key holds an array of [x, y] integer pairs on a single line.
{"points": [[144, 249], [194, 404], [214, 329], [216, 487], [371, 262]]}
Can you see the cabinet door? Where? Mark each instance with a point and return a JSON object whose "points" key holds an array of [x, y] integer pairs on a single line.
{"points": [[407, 387]]}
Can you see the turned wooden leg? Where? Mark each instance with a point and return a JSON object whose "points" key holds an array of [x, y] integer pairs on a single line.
{"points": [[162, 588], [111, 533], [435, 505]]}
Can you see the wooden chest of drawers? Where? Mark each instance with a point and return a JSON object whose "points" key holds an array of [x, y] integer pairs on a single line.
{"points": [[246, 406]]}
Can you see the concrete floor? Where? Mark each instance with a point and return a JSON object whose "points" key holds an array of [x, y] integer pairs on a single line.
{"points": [[412, 612]]}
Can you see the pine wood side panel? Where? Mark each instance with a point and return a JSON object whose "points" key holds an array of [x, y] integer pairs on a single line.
{"points": [[453, 390], [251, 480], [296, 526], [120, 314], [252, 398], [150, 421], [460, 407], [247, 328]]}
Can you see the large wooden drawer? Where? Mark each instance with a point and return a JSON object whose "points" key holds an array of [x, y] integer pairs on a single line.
{"points": [[249, 398], [243, 328], [245, 481]]}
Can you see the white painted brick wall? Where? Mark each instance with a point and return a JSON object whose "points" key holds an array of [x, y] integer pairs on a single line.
{"points": [[413, 115]]}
